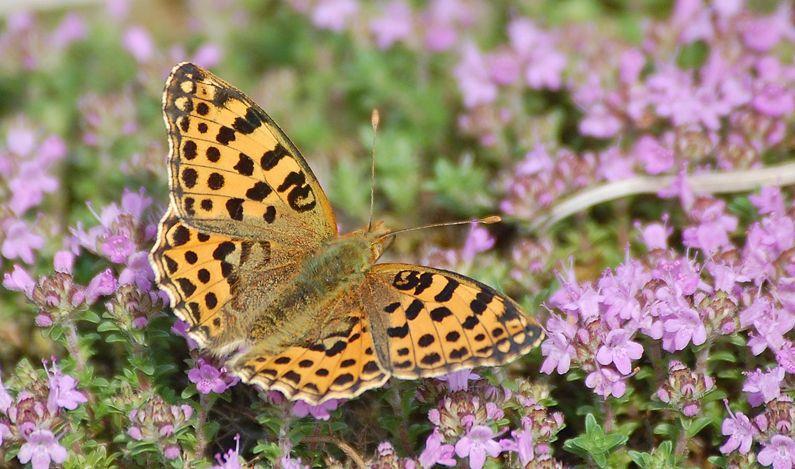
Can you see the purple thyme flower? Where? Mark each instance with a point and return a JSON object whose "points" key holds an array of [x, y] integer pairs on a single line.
{"points": [[479, 240], [20, 241], [606, 382], [320, 411], [172, 452], [740, 431], [103, 284], [19, 280], [41, 447], [139, 44], [334, 14], [207, 378], [558, 348], [779, 453], [477, 444], [681, 327], [393, 25], [786, 357], [437, 451], [473, 79], [620, 350], [63, 391], [459, 380], [763, 387]]}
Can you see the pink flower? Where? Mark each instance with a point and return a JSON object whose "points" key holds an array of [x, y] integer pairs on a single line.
{"points": [[20, 241], [473, 78], [599, 122], [63, 391], [104, 283], [763, 387], [740, 431], [139, 44], [558, 348], [437, 451], [231, 459], [479, 240], [606, 382], [393, 25], [334, 14], [320, 411], [477, 444], [655, 157], [19, 280], [779, 453], [207, 378], [40, 448], [64, 261], [459, 380], [681, 328], [620, 350]]}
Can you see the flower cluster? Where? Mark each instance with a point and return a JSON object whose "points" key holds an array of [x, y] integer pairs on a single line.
{"points": [[723, 111], [473, 421], [37, 417], [672, 298], [156, 422]]}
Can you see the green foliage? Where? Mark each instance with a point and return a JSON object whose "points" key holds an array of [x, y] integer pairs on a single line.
{"points": [[595, 445]]}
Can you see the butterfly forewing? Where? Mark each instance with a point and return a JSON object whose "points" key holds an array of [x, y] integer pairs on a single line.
{"points": [[438, 321], [232, 170]]}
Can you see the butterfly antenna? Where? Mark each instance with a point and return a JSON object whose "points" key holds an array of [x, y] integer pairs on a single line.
{"points": [[374, 119], [485, 220]]}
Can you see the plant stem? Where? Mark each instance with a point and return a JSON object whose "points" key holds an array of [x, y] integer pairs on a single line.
{"points": [[609, 416], [201, 418]]}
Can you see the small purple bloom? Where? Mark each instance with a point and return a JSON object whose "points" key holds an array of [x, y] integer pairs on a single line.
{"points": [[64, 261], [63, 392], [320, 411], [473, 78], [104, 283], [459, 380], [477, 444], [479, 240], [763, 387], [769, 200], [779, 453], [786, 357], [40, 449], [172, 452], [437, 451], [20, 242], [681, 328], [740, 431], [139, 44], [231, 459], [619, 350], [207, 378], [558, 348], [118, 248], [606, 382], [393, 25], [5, 399], [334, 14], [19, 280]]}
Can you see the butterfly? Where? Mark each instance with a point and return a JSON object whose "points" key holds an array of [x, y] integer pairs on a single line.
{"points": [[249, 254]]}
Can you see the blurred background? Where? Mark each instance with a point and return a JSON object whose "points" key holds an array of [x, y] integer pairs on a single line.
{"points": [[486, 107]]}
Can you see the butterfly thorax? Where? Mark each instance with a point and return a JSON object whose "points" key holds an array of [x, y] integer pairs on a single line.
{"points": [[300, 312]]}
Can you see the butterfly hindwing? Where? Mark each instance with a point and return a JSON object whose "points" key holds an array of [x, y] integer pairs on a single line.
{"points": [[340, 364], [438, 321], [232, 170], [214, 281]]}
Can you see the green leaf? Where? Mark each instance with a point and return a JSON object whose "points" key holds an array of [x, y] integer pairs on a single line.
{"points": [[595, 444], [722, 356], [696, 426], [106, 326]]}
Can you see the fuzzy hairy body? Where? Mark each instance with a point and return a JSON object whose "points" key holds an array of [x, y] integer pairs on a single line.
{"points": [[300, 310]]}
